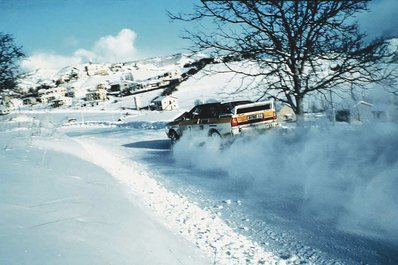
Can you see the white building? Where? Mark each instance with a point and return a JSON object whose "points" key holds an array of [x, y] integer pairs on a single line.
{"points": [[172, 75], [96, 94], [365, 112], [4, 110], [286, 114], [47, 95], [164, 103], [96, 69], [62, 101]]}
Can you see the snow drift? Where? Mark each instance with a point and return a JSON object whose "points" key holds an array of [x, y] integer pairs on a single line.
{"points": [[345, 176]]}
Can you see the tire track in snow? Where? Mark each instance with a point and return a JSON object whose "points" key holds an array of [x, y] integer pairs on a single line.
{"points": [[205, 229]]}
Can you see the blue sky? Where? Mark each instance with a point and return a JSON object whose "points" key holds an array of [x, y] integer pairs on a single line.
{"points": [[64, 25], [57, 32], [57, 29]]}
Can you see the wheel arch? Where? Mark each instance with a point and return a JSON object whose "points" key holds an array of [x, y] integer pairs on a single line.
{"points": [[173, 131], [212, 131]]}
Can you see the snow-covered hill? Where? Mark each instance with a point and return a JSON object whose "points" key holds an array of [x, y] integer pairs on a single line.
{"points": [[197, 77], [140, 70]]}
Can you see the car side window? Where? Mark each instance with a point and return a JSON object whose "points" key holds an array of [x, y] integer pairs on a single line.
{"points": [[223, 109], [210, 111], [205, 113], [214, 111], [195, 112]]}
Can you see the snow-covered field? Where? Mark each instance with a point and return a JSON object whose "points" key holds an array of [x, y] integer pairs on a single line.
{"points": [[96, 190]]}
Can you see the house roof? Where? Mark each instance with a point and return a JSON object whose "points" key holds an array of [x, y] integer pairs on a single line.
{"points": [[160, 98], [364, 103]]}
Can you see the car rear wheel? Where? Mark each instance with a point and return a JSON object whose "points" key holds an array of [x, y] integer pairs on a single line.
{"points": [[214, 135]]}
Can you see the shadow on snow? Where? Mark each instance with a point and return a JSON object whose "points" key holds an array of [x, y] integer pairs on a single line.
{"points": [[151, 144]]}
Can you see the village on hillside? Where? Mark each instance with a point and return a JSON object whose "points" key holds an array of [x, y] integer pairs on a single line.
{"points": [[89, 84]]}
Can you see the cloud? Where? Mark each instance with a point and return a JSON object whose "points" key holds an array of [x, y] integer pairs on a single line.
{"points": [[116, 48], [107, 49], [49, 61], [382, 18], [112, 48]]}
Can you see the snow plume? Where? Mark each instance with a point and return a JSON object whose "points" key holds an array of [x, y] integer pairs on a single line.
{"points": [[343, 175], [108, 49], [49, 61]]}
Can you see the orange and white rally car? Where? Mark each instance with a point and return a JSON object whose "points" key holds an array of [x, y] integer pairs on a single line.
{"points": [[224, 119]]}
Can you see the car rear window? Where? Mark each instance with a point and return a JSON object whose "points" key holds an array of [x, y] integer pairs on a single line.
{"points": [[253, 109]]}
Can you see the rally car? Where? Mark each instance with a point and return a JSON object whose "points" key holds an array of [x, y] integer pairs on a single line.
{"points": [[222, 119]]}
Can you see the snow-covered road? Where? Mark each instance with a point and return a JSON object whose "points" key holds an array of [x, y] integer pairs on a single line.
{"points": [[56, 207], [238, 204], [278, 223]]}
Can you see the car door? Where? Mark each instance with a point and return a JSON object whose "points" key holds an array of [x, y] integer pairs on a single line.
{"points": [[208, 117], [191, 120]]}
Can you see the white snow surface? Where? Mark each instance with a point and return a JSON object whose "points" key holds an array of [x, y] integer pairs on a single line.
{"points": [[99, 190], [79, 221], [57, 207]]}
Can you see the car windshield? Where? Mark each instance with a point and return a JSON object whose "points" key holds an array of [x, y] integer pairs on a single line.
{"points": [[210, 110]]}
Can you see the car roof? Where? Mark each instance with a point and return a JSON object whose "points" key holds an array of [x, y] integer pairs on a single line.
{"points": [[236, 101], [208, 104], [226, 102]]}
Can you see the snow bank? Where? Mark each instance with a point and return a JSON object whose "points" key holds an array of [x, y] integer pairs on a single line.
{"points": [[343, 175], [207, 230], [22, 118]]}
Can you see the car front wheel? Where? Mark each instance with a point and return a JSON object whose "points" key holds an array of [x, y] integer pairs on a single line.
{"points": [[173, 136]]}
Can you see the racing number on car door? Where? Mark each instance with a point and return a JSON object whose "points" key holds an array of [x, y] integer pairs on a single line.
{"points": [[192, 124], [202, 117]]}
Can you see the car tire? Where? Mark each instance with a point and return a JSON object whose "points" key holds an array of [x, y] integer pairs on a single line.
{"points": [[173, 135], [214, 134]]}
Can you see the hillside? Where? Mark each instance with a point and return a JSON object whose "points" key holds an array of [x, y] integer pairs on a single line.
{"points": [[189, 78]]}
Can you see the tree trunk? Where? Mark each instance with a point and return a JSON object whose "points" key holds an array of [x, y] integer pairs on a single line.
{"points": [[299, 109]]}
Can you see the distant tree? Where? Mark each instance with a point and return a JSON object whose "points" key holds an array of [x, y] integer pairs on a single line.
{"points": [[10, 54], [300, 47]]}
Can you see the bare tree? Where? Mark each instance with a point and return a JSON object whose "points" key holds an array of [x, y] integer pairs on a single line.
{"points": [[10, 54], [301, 47]]}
